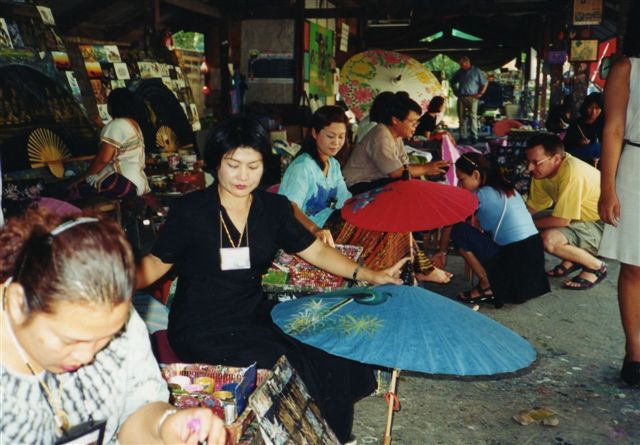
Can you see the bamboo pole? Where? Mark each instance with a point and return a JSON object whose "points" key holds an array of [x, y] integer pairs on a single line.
{"points": [[392, 391]]}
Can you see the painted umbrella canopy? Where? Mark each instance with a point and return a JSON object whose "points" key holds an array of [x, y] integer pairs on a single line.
{"points": [[369, 73], [409, 206], [405, 327]]}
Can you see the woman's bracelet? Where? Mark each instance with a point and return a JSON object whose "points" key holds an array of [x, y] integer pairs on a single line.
{"points": [[164, 417], [440, 253], [354, 277]]}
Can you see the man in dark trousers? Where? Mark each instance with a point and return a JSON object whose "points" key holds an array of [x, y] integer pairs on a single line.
{"points": [[469, 84]]}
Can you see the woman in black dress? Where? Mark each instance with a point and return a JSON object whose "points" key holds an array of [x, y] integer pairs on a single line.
{"points": [[221, 240]]}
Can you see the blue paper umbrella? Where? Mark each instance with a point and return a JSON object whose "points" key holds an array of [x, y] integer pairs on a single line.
{"points": [[404, 327], [410, 328]]}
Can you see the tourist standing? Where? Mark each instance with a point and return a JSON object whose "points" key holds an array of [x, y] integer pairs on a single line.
{"points": [[469, 84], [619, 204]]}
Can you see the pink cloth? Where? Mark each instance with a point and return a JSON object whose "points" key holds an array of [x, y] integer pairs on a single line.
{"points": [[450, 153], [60, 208]]}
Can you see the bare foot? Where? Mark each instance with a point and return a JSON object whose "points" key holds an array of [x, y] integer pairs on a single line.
{"points": [[439, 276]]}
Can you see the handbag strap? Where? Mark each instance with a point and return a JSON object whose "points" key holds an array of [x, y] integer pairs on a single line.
{"points": [[504, 210]]}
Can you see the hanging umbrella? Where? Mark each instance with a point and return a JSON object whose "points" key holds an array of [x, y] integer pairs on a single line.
{"points": [[366, 74], [404, 327], [408, 206]]}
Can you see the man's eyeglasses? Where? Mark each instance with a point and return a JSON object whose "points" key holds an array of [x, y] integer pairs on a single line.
{"points": [[537, 163]]}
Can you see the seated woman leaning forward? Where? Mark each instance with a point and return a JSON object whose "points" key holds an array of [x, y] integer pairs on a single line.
{"points": [[316, 188], [76, 359], [508, 233], [221, 240], [117, 171]]}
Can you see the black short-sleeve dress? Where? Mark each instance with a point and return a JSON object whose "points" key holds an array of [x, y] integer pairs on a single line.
{"points": [[221, 317]]}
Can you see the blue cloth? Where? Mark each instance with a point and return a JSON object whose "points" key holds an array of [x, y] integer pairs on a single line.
{"points": [[517, 223], [466, 83], [314, 193]]}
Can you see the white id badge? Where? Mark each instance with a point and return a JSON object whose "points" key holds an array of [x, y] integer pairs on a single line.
{"points": [[234, 258]]}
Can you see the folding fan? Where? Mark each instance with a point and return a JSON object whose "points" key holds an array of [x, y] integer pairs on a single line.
{"points": [[167, 140], [47, 148]]}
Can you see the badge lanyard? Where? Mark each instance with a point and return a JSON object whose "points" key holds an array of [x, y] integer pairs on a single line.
{"points": [[60, 416], [234, 257]]}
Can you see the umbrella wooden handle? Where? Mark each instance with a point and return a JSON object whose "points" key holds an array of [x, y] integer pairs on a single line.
{"points": [[392, 390]]}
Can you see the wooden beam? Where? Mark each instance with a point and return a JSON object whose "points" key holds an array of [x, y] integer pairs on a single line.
{"points": [[197, 7], [291, 13], [133, 24], [86, 11]]}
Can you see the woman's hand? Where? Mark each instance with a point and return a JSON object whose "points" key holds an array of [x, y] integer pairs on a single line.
{"points": [[390, 275], [437, 167], [191, 426], [609, 207], [325, 236]]}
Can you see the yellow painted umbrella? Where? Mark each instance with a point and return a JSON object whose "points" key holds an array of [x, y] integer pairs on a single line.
{"points": [[369, 73]]}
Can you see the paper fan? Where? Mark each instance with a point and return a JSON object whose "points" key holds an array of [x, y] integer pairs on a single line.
{"points": [[47, 148], [166, 139]]}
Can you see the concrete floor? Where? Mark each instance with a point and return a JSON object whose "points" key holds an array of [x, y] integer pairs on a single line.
{"points": [[580, 345]]}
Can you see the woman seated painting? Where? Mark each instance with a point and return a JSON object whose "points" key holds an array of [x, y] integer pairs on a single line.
{"points": [[315, 186], [584, 136], [117, 171]]}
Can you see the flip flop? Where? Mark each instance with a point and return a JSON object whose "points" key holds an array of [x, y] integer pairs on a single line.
{"points": [[583, 283], [561, 271]]}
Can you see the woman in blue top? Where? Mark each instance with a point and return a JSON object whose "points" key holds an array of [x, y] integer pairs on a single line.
{"points": [[507, 255], [314, 184]]}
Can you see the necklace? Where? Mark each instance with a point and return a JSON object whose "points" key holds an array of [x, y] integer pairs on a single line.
{"points": [[60, 416], [226, 229]]}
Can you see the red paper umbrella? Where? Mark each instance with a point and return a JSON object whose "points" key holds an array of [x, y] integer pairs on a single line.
{"points": [[408, 206]]}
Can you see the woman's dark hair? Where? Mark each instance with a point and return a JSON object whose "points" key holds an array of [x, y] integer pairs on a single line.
{"points": [[90, 262], [435, 104], [234, 133], [593, 98], [490, 174], [381, 107], [400, 106], [120, 103], [323, 117]]}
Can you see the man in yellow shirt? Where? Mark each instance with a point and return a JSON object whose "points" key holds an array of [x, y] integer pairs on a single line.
{"points": [[571, 188]]}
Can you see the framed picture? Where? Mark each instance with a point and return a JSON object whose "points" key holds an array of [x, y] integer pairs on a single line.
{"points": [[584, 50], [587, 12]]}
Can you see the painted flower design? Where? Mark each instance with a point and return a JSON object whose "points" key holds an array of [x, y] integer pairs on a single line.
{"points": [[424, 77], [363, 95], [363, 69], [392, 58]]}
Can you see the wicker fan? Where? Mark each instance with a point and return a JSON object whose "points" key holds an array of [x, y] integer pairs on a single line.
{"points": [[167, 140], [46, 148]]}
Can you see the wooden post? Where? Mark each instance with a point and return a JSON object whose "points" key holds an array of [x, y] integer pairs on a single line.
{"points": [[298, 51]]}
